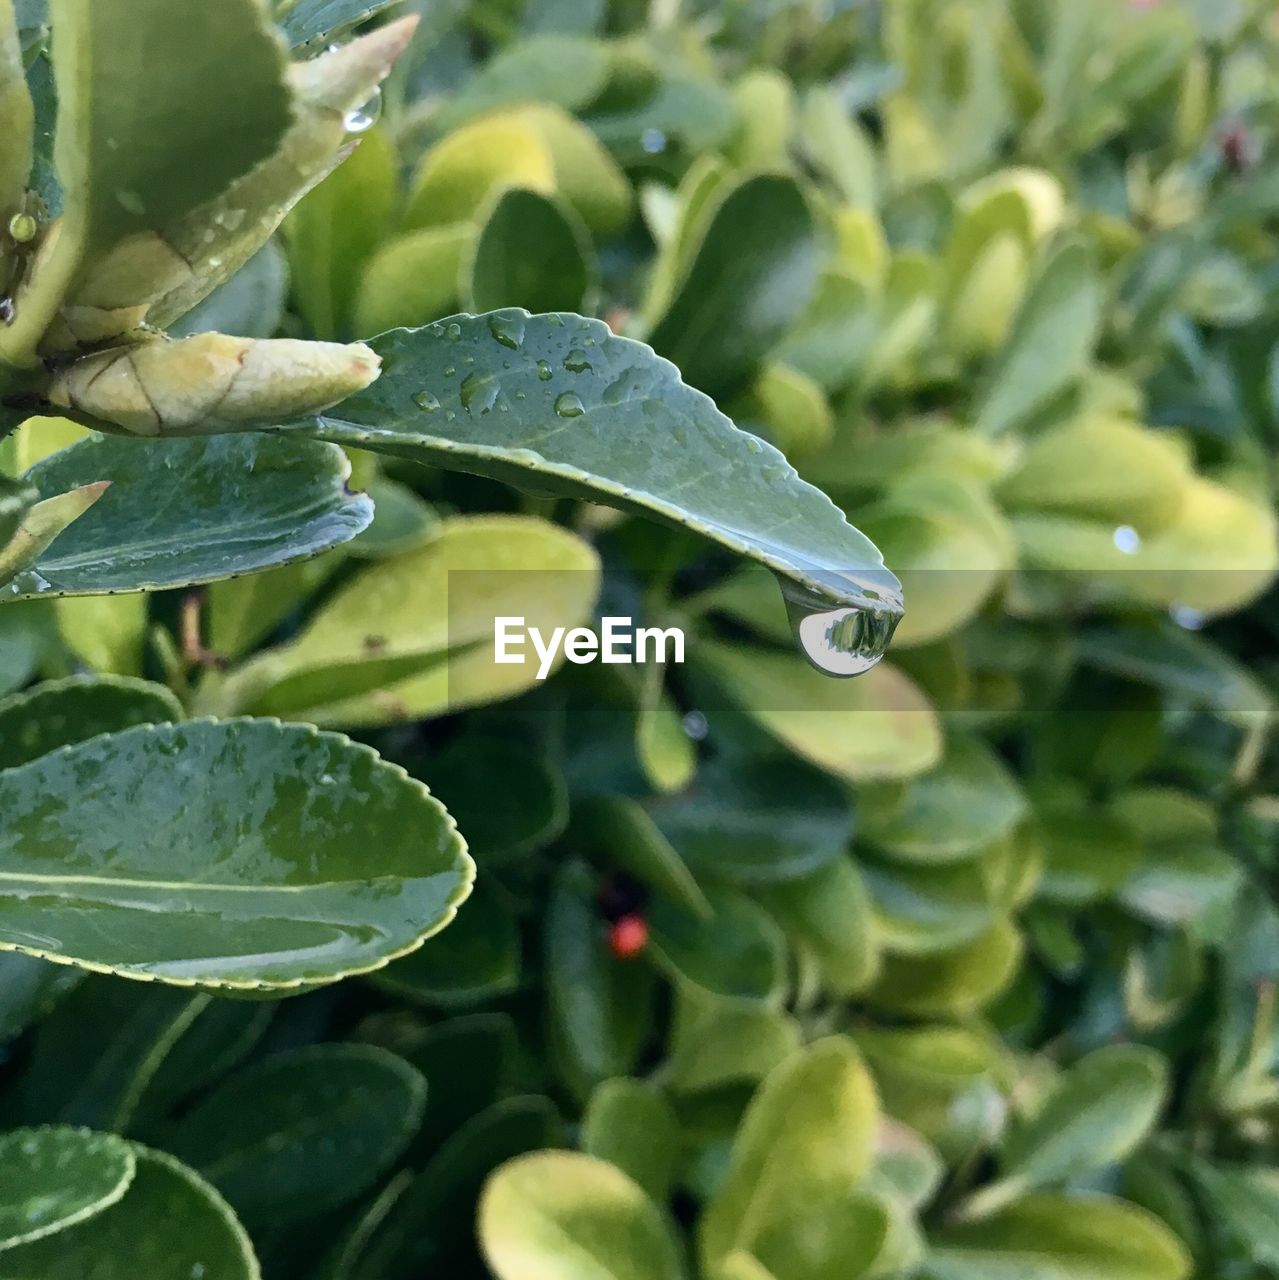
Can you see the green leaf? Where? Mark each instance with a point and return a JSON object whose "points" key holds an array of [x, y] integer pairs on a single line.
{"points": [[843, 1235], [632, 1126], [1095, 1114], [413, 278], [132, 1029], [599, 1006], [16, 499], [164, 521], [298, 859], [60, 712], [1052, 340], [756, 822], [29, 988], [718, 1041], [1058, 1237], [953, 983], [737, 951], [333, 232], [138, 162], [52, 1179], [919, 910], [618, 829], [876, 727], [562, 275], [806, 1139], [761, 244], [171, 1225], [941, 1081], [565, 71], [304, 1132], [572, 1217], [527, 812], [249, 305], [579, 412], [829, 913], [1244, 1200], [433, 1224], [476, 959], [950, 813], [412, 635]]}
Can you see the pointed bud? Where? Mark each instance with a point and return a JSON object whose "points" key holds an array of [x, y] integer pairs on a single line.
{"points": [[42, 524], [213, 383]]}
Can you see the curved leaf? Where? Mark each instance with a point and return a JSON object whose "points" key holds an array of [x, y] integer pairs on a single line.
{"points": [[187, 511], [51, 1179], [304, 1132], [247, 854], [1058, 1237], [760, 244], [559, 404], [557, 1215], [60, 712], [1095, 1114], [171, 1225], [807, 1136]]}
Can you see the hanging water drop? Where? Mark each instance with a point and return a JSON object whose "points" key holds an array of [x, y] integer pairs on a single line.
{"points": [[508, 330], [362, 119], [570, 406], [838, 640], [427, 402]]}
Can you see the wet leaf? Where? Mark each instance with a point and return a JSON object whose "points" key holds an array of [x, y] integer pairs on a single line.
{"points": [[327, 861]]}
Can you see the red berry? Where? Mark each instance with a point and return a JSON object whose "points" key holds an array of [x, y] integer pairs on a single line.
{"points": [[628, 937]]}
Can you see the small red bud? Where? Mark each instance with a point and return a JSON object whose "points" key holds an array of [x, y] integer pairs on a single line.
{"points": [[628, 937]]}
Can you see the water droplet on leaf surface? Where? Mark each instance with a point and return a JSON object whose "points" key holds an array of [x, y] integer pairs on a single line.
{"points": [[576, 362], [508, 330], [427, 402], [570, 406]]}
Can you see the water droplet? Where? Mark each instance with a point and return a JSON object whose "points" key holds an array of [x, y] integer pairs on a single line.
{"points": [[508, 330], [23, 228], [454, 332], [1127, 539], [362, 119], [653, 141], [131, 202], [450, 371], [838, 640], [479, 394], [1189, 619], [427, 402], [696, 726], [570, 406], [544, 371], [618, 390], [754, 445], [576, 362]]}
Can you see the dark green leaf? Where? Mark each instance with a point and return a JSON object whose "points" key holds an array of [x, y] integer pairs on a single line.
{"points": [[247, 854], [165, 520]]}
